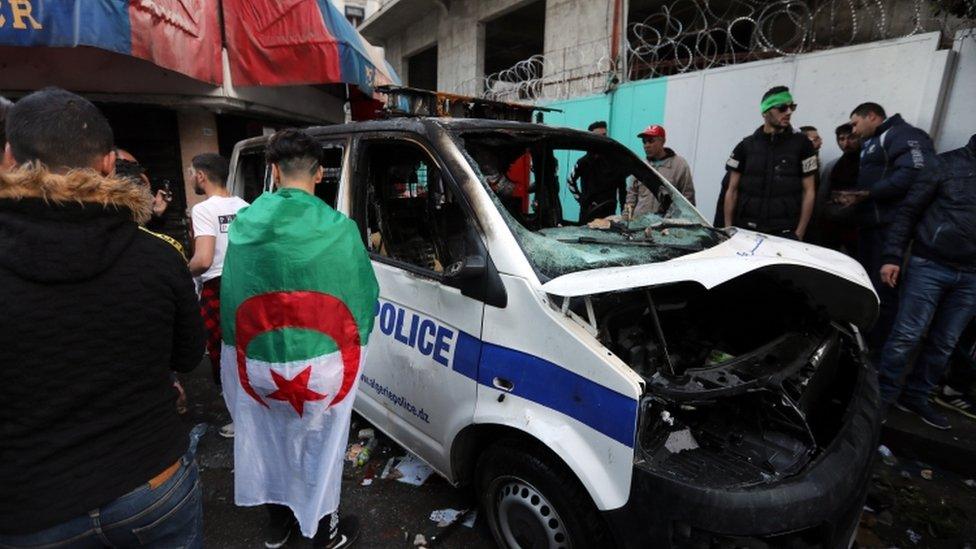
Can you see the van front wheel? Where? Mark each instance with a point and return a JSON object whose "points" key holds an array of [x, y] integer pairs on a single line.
{"points": [[531, 502]]}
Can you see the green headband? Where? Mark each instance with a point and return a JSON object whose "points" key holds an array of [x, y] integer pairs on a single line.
{"points": [[781, 98]]}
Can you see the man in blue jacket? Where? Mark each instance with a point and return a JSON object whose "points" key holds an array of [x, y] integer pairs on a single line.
{"points": [[939, 289], [893, 153]]}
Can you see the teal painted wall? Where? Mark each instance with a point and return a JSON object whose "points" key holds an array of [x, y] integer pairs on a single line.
{"points": [[627, 110]]}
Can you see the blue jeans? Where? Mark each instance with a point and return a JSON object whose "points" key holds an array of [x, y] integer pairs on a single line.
{"points": [[168, 516], [934, 296]]}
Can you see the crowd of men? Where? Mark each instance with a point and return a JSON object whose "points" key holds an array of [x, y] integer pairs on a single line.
{"points": [[888, 201], [100, 311]]}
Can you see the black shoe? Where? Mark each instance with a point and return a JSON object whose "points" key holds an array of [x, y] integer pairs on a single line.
{"points": [[925, 411], [348, 533], [959, 402], [278, 533]]}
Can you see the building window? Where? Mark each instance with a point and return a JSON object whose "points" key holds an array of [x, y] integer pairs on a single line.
{"points": [[422, 69], [513, 38], [355, 15]]}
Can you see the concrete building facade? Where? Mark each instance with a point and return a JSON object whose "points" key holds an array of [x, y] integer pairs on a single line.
{"points": [[574, 36]]}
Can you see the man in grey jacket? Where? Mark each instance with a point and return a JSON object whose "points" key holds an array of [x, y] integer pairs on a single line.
{"points": [[640, 199]]}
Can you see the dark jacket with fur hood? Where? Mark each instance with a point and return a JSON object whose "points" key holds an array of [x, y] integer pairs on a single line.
{"points": [[96, 313]]}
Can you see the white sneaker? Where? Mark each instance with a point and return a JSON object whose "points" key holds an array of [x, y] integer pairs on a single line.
{"points": [[227, 431]]}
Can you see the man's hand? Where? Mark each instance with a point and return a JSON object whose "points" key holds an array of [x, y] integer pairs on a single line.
{"points": [[889, 274], [849, 198]]}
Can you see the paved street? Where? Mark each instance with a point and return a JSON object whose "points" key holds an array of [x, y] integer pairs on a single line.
{"points": [[392, 513], [937, 512]]}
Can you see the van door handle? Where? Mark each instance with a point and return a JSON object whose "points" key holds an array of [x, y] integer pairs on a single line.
{"points": [[503, 384]]}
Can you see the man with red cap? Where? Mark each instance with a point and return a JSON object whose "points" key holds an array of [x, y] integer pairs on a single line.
{"points": [[640, 199]]}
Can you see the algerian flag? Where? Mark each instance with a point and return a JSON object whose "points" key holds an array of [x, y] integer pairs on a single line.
{"points": [[298, 295]]}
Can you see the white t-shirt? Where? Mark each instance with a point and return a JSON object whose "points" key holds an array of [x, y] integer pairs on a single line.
{"points": [[212, 217]]}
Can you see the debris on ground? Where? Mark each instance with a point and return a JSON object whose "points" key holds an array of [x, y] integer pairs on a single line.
{"points": [[367, 450], [913, 536], [412, 470], [366, 434], [352, 452], [926, 474], [970, 482], [445, 517], [420, 541]]}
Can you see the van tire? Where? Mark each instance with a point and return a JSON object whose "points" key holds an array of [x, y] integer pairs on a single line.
{"points": [[513, 477]]}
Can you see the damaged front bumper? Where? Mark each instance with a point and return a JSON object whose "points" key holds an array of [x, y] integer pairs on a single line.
{"points": [[724, 479]]}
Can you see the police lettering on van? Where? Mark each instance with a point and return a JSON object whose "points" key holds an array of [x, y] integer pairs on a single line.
{"points": [[421, 333]]}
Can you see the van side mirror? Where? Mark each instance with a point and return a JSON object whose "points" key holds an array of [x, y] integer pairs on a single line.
{"points": [[470, 267]]}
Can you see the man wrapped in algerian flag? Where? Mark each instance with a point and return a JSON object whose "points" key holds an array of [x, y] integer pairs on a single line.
{"points": [[297, 301]]}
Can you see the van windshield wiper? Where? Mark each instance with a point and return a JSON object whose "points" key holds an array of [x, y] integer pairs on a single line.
{"points": [[660, 226], [638, 243]]}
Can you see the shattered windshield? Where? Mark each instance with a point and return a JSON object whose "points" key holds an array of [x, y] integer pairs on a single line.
{"points": [[577, 202]]}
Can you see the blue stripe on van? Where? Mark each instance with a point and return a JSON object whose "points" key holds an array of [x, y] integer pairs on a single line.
{"points": [[550, 385]]}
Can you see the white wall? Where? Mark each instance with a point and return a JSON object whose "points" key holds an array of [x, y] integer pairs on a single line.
{"points": [[708, 112], [959, 116]]}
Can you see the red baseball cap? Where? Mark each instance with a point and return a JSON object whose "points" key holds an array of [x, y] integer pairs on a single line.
{"points": [[652, 131]]}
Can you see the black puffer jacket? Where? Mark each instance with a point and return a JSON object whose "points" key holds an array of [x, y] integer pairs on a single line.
{"points": [[771, 188], [940, 212], [891, 161], [96, 313]]}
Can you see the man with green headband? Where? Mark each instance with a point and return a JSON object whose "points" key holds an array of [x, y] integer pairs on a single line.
{"points": [[771, 173]]}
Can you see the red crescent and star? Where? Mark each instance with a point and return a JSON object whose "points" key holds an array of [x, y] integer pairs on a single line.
{"points": [[299, 309]]}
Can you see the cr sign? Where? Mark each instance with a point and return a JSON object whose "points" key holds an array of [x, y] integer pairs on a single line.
{"points": [[20, 15]]}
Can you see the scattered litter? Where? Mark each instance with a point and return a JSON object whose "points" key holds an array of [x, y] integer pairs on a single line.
{"points": [[469, 520], [913, 536], [679, 441], [444, 517], [970, 482], [887, 456], [926, 474], [419, 541], [906, 475], [412, 470], [365, 453], [352, 453], [388, 471], [366, 434], [869, 509], [367, 482]]}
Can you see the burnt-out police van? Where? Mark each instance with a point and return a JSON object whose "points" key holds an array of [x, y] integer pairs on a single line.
{"points": [[648, 382]]}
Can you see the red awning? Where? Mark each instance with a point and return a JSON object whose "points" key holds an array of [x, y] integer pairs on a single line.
{"points": [[291, 42], [179, 35]]}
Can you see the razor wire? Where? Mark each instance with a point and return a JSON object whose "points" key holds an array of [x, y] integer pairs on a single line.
{"points": [[680, 36], [689, 35]]}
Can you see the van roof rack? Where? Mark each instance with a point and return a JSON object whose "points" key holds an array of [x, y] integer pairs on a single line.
{"points": [[406, 101]]}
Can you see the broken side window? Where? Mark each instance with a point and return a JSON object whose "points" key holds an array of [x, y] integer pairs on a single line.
{"points": [[328, 188], [251, 174], [411, 214]]}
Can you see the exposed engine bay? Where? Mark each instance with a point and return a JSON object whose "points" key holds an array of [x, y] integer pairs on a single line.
{"points": [[746, 383]]}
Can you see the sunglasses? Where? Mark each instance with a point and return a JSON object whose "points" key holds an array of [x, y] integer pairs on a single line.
{"points": [[786, 107]]}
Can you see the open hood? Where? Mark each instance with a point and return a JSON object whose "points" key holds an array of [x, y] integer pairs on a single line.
{"points": [[831, 279]]}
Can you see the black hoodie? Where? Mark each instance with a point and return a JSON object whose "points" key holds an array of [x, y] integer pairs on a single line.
{"points": [[96, 313]]}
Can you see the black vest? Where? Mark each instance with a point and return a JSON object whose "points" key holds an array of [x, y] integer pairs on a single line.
{"points": [[771, 187]]}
